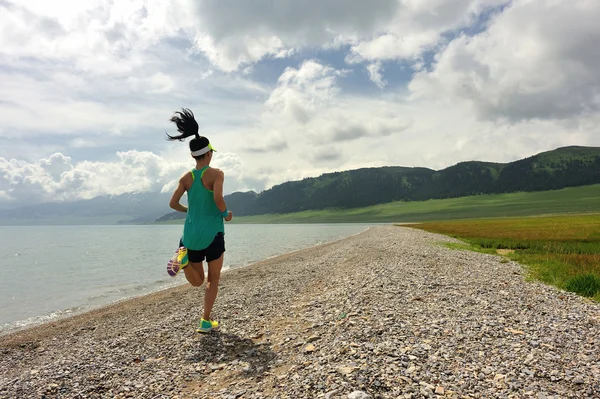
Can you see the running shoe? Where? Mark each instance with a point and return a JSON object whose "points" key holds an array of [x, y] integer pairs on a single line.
{"points": [[206, 326], [177, 262]]}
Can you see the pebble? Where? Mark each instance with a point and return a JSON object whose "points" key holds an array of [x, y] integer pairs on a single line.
{"points": [[419, 320], [359, 395], [329, 394], [312, 338], [309, 348]]}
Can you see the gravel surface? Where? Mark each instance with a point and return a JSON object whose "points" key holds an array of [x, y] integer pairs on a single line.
{"points": [[388, 313]]}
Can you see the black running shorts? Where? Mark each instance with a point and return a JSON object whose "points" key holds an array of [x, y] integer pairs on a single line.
{"points": [[212, 252]]}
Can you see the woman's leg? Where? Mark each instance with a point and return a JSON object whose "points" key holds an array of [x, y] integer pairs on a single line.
{"points": [[194, 273], [212, 285]]}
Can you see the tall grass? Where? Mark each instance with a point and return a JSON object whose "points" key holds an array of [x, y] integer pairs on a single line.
{"points": [[561, 250]]}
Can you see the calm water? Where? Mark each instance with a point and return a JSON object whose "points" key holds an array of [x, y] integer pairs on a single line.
{"points": [[51, 271]]}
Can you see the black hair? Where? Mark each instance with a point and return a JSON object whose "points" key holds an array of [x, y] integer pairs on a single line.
{"points": [[187, 126]]}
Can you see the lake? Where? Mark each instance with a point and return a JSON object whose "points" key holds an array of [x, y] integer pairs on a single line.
{"points": [[48, 272]]}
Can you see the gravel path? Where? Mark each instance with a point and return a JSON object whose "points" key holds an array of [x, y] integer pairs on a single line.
{"points": [[388, 313]]}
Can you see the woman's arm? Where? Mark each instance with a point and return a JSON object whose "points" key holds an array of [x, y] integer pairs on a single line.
{"points": [[177, 194], [218, 195], [218, 190]]}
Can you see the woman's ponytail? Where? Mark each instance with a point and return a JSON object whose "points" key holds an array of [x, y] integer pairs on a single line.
{"points": [[186, 125]]}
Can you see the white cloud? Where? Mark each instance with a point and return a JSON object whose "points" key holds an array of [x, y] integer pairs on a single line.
{"points": [[229, 54], [301, 92], [56, 99], [4, 197], [99, 36], [391, 46], [538, 59], [233, 34], [309, 106], [375, 74], [83, 143], [94, 67], [58, 178], [158, 83], [56, 165], [418, 27]]}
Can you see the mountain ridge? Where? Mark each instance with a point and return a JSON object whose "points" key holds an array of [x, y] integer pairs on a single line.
{"points": [[562, 167]]}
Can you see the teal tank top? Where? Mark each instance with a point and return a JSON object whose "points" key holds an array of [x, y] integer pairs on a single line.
{"points": [[203, 220]]}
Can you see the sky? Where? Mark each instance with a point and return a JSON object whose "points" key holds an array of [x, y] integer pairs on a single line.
{"points": [[285, 89]]}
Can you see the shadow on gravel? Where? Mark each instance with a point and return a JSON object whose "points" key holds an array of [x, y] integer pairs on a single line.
{"points": [[218, 348]]}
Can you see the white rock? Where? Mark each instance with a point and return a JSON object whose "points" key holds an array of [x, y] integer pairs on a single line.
{"points": [[359, 395]]}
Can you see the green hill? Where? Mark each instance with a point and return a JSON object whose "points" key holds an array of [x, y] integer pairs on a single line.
{"points": [[552, 170], [571, 200]]}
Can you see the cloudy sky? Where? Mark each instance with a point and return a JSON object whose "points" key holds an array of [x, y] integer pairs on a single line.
{"points": [[285, 89]]}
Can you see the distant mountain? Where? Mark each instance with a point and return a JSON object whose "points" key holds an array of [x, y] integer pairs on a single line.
{"points": [[563, 167], [106, 209]]}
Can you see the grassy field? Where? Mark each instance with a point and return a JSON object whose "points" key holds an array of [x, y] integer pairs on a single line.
{"points": [[560, 250], [569, 200]]}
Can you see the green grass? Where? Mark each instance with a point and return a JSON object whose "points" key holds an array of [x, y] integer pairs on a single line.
{"points": [[586, 285], [560, 250], [569, 200]]}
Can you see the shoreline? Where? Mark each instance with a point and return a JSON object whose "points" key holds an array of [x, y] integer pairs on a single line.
{"points": [[389, 312], [116, 303]]}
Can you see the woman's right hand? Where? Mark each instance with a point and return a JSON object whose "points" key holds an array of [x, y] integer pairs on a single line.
{"points": [[229, 216]]}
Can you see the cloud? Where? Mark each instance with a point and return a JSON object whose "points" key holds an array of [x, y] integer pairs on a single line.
{"points": [[523, 67], [235, 33], [58, 178], [347, 128], [4, 197], [95, 67], [232, 34], [308, 105], [56, 165], [419, 27], [157, 83], [301, 92], [325, 155], [100, 37], [349, 132], [237, 175], [64, 107], [391, 46], [375, 74], [260, 145]]}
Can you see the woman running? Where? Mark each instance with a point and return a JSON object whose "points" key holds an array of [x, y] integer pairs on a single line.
{"points": [[203, 232]]}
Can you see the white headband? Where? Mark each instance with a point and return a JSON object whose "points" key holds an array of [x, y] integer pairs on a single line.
{"points": [[201, 151]]}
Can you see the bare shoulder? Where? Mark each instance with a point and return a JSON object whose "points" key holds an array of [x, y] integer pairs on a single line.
{"points": [[186, 176], [186, 179], [217, 173]]}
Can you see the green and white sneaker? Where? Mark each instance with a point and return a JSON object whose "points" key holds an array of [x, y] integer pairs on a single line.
{"points": [[206, 326]]}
